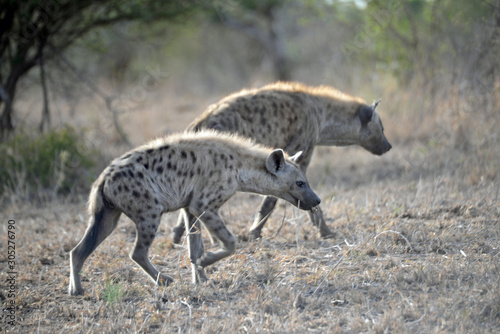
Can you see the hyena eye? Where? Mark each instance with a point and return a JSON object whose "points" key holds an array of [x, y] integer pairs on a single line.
{"points": [[300, 184]]}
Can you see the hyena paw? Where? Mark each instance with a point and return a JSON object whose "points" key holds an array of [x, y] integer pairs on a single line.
{"points": [[164, 280], [254, 235], [74, 291]]}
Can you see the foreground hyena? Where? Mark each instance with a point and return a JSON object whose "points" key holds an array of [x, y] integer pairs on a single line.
{"points": [[296, 118], [196, 172]]}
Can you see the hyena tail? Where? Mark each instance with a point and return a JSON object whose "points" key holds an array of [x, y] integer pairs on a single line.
{"points": [[103, 220]]}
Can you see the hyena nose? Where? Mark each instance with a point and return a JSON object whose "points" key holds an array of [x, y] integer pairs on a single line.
{"points": [[318, 200]]}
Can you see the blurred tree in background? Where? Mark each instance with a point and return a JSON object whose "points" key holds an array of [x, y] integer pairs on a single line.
{"points": [[218, 46], [34, 31]]}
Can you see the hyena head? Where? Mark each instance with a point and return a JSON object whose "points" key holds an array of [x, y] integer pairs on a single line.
{"points": [[371, 134], [289, 182]]}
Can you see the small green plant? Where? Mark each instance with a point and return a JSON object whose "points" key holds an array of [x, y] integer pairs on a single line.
{"points": [[113, 292], [57, 161]]}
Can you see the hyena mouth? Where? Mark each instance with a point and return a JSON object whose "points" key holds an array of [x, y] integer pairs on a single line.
{"points": [[315, 208]]}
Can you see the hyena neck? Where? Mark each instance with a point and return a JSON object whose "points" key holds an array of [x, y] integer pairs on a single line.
{"points": [[338, 124], [253, 178]]}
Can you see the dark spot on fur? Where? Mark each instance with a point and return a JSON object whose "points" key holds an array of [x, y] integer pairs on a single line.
{"points": [[120, 188], [183, 155], [152, 236], [149, 151], [159, 170], [198, 170], [125, 157], [139, 211], [146, 166], [164, 148], [153, 216], [140, 175], [139, 159], [193, 156], [146, 195], [130, 173], [147, 243], [191, 174], [156, 201], [169, 165], [135, 194], [125, 187], [115, 192]]}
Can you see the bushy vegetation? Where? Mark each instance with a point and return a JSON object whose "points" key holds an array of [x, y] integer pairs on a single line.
{"points": [[55, 162]]}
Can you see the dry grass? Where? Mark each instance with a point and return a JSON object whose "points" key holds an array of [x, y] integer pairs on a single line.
{"points": [[416, 246], [416, 250]]}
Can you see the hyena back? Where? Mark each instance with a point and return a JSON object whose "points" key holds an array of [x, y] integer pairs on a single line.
{"points": [[195, 172], [294, 117]]}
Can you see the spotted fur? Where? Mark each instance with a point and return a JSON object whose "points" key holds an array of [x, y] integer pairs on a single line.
{"points": [[196, 172], [295, 117]]}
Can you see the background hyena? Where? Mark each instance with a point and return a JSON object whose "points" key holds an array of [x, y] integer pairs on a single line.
{"points": [[296, 118], [197, 172]]}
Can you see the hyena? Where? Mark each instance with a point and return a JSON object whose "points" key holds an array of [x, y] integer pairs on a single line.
{"points": [[196, 172], [294, 117]]}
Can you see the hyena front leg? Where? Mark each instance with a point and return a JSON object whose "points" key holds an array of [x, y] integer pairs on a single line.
{"points": [[195, 245], [216, 227], [146, 231], [317, 219], [180, 228], [101, 224], [266, 208]]}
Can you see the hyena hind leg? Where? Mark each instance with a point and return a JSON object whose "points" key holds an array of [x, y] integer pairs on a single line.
{"points": [[100, 227], [179, 228], [195, 246], [145, 235]]}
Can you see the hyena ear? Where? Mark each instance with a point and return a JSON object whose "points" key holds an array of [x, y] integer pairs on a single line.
{"points": [[275, 162], [296, 156], [365, 114], [375, 104]]}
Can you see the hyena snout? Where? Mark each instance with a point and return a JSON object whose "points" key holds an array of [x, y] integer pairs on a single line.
{"points": [[308, 200], [380, 147]]}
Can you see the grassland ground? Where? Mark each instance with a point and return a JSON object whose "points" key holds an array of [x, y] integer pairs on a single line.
{"points": [[416, 250]]}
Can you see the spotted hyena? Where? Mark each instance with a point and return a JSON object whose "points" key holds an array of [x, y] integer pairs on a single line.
{"points": [[294, 117], [197, 172]]}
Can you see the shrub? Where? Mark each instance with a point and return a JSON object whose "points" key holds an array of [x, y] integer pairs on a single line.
{"points": [[57, 161]]}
